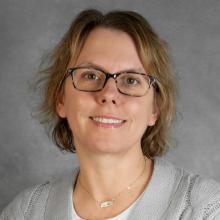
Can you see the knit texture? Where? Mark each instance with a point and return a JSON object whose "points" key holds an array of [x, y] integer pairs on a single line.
{"points": [[172, 194]]}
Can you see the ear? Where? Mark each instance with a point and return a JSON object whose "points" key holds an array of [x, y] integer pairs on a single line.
{"points": [[154, 116], [60, 108]]}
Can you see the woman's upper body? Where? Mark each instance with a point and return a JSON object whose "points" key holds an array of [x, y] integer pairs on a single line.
{"points": [[172, 194], [108, 100], [110, 97]]}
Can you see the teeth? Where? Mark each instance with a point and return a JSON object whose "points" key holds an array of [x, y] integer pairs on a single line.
{"points": [[107, 120]]}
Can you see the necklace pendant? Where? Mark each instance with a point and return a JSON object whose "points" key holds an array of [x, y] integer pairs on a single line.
{"points": [[106, 203]]}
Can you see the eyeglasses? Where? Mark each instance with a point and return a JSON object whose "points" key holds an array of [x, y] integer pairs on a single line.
{"points": [[89, 79]]}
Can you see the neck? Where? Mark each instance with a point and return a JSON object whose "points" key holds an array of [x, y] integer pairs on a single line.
{"points": [[104, 177]]}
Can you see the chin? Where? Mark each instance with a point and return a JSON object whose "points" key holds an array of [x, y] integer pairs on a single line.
{"points": [[106, 148]]}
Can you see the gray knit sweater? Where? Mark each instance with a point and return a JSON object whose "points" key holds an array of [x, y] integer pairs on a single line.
{"points": [[172, 194]]}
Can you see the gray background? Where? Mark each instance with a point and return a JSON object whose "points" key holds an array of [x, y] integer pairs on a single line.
{"points": [[30, 28]]}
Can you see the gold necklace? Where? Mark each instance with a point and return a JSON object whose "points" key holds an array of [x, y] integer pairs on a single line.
{"points": [[110, 202]]}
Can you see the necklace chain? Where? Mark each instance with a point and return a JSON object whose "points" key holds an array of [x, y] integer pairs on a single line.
{"points": [[110, 202]]}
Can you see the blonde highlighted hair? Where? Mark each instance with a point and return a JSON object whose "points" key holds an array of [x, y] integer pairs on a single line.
{"points": [[150, 47]]}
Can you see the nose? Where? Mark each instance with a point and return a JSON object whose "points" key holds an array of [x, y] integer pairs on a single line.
{"points": [[109, 94]]}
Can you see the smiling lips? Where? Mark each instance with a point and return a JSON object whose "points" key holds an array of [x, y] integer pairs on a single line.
{"points": [[103, 121]]}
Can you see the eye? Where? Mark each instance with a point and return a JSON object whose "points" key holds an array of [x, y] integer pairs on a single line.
{"points": [[89, 75], [132, 81]]}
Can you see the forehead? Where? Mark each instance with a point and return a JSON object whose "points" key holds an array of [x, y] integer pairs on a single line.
{"points": [[111, 49]]}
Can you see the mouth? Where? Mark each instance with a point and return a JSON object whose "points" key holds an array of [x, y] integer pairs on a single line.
{"points": [[107, 121]]}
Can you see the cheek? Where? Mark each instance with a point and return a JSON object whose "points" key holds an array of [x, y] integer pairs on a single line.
{"points": [[78, 109], [142, 110], [74, 107], [141, 113], [74, 101]]}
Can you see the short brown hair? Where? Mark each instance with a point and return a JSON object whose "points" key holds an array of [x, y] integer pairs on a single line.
{"points": [[150, 47]]}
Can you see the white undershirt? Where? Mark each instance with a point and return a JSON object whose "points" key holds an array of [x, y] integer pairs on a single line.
{"points": [[122, 216]]}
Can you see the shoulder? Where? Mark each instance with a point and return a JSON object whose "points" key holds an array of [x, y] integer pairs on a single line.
{"points": [[205, 197], [20, 205], [195, 193], [35, 200]]}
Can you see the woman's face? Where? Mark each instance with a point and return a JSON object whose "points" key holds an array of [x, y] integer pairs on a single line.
{"points": [[112, 51]]}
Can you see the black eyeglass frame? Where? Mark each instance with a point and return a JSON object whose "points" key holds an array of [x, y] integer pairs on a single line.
{"points": [[152, 79]]}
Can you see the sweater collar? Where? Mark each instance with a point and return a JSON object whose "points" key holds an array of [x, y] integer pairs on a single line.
{"points": [[153, 202]]}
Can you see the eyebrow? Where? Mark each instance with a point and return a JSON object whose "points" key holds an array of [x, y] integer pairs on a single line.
{"points": [[96, 66]]}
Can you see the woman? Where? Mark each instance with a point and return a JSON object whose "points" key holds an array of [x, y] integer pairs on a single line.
{"points": [[110, 97]]}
